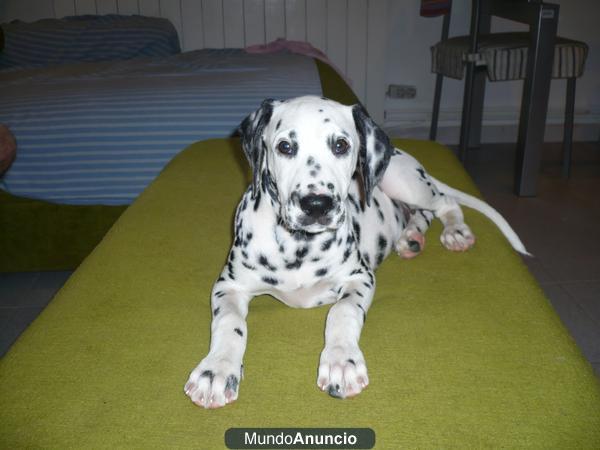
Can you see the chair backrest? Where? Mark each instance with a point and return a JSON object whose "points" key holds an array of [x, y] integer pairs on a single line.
{"points": [[436, 8]]}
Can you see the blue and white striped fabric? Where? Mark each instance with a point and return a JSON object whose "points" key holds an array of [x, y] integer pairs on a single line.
{"points": [[86, 39], [100, 133]]}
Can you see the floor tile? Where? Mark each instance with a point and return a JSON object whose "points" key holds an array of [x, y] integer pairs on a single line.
{"points": [[13, 321], [581, 326], [51, 280], [587, 295]]}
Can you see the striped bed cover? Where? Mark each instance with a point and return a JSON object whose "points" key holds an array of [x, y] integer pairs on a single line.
{"points": [[99, 133], [87, 38]]}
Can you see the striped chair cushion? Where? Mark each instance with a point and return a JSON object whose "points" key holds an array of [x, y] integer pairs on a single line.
{"points": [[505, 56]]}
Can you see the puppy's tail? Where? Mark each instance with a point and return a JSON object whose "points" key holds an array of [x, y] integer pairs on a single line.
{"points": [[486, 210]]}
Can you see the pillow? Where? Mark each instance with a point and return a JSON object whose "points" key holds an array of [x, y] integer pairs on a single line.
{"points": [[86, 39]]}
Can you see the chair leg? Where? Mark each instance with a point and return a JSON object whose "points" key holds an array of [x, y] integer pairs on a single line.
{"points": [[437, 96], [568, 128], [465, 122]]}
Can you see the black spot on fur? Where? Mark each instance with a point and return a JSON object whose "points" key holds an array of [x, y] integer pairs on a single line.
{"points": [[363, 311], [278, 125], [231, 383], [321, 272], [354, 203], [263, 261], [209, 374], [351, 361], [347, 254], [301, 252], [294, 265], [326, 245], [346, 295], [216, 310], [238, 331], [271, 281], [248, 266], [257, 201], [326, 120]]}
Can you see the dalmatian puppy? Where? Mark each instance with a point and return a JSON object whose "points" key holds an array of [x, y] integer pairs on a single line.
{"points": [[329, 200]]}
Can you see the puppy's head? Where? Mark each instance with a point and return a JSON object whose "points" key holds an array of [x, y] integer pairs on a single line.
{"points": [[304, 152]]}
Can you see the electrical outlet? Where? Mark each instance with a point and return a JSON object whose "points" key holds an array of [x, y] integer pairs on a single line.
{"points": [[401, 91]]}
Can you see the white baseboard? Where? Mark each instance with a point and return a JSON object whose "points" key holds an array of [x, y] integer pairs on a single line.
{"points": [[499, 125]]}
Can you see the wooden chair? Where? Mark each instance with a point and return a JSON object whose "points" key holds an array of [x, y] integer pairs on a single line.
{"points": [[504, 57]]}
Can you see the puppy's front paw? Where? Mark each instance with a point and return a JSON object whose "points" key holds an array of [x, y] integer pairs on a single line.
{"points": [[457, 237], [214, 383], [342, 372]]}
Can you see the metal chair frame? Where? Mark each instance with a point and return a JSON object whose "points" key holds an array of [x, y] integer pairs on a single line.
{"points": [[474, 92]]}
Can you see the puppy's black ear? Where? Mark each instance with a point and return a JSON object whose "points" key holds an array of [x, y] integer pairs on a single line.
{"points": [[251, 133], [375, 150]]}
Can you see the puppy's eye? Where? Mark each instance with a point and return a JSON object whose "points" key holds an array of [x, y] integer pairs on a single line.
{"points": [[341, 146], [285, 147]]}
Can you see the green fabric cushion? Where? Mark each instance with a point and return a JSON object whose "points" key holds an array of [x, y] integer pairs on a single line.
{"points": [[463, 349], [39, 235]]}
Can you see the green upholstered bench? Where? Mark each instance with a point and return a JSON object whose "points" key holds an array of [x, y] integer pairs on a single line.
{"points": [[463, 350]]}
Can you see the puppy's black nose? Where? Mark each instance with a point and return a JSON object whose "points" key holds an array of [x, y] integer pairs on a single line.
{"points": [[316, 205]]}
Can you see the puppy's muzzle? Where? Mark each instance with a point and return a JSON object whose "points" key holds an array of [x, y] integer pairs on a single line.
{"points": [[316, 207]]}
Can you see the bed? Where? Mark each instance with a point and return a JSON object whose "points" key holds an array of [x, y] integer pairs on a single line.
{"points": [[95, 123]]}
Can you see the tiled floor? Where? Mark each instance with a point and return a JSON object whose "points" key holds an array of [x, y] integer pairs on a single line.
{"points": [[559, 226], [23, 296]]}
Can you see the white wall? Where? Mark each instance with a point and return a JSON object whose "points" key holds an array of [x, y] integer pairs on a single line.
{"points": [[410, 37]]}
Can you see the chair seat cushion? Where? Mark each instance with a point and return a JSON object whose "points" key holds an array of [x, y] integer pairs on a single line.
{"points": [[505, 56]]}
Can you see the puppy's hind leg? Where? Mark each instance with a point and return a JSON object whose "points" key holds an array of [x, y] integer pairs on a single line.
{"points": [[407, 181]]}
